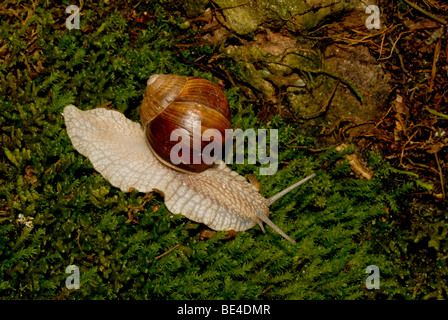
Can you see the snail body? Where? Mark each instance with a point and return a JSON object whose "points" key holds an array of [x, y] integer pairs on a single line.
{"points": [[118, 149]]}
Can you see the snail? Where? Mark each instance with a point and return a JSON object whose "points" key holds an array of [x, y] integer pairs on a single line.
{"points": [[124, 153]]}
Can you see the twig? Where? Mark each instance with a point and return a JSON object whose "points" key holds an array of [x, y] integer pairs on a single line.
{"points": [[305, 147], [435, 112], [441, 176], [77, 240], [423, 166], [404, 146], [430, 15], [368, 35], [381, 47], [434, 64], [165, 253], [347, 82], [324, 107], [89, 256], [393, 45], [384, 117], [133, 210]]}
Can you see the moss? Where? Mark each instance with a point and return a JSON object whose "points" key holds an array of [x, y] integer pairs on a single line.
{"points": [[57, 211]]}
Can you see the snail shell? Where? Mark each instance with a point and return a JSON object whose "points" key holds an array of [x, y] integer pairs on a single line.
{"points": [[175, 102]]}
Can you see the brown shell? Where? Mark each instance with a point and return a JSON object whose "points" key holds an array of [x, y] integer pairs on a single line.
{"points": [[175, 102]]}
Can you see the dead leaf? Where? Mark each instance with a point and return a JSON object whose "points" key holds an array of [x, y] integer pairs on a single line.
{"points": [[400, 106], [435, 147], [356, 164], [424, 24]]}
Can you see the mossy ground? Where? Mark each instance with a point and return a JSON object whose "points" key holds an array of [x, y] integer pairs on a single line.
{"points": [[341, 224]]}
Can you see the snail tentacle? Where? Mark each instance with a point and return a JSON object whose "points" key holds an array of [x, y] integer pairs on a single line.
{"points": [[266, 220]]}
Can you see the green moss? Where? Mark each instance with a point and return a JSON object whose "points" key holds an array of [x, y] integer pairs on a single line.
{"points": [[341, 224]]}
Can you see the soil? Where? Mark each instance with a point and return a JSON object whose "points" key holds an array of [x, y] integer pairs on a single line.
{"points": [[392, 93]]}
